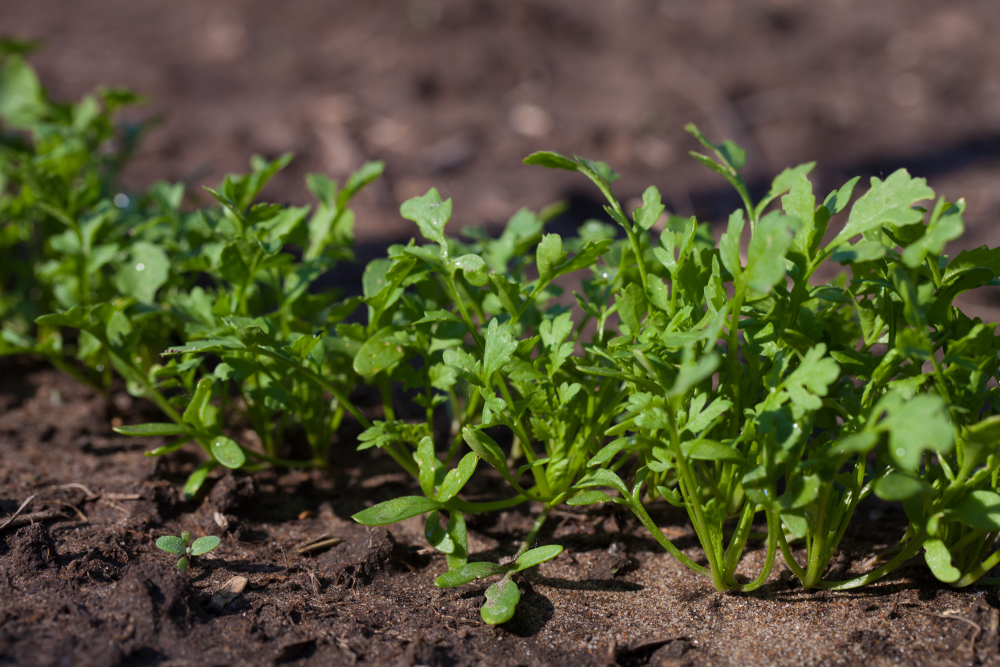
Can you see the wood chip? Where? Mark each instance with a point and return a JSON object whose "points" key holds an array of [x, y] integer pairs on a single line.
{"points": [[229, 592], [317, 545]]}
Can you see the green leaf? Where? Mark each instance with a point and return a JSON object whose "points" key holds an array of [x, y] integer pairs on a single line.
{"points": [[197, 409], [945, 228], [457, 477], [939, 561], [970, 259], [436, 535], [548, 256], [631, 308], [608, 452], [453, 578], [395, 510], [917, 425], [800, 203], [145, 271], [197, 478], [863, 251], [590, 498], [602, 477], [858, 443], [487, 449], [769, 244], [379, 353], [481, 570], [152, 429], [474, 269], [728, 152], [425, 462], [227, 452], [255, 335], [203, 545], [888, 201], [500, 345], [430, 214], [466, 365], [22, 100], [536, 556], [898, 486], [691, 374], [501, 601], [711, 450], [803, 491], [169, 449], [551, 160], [979, 509], [782, 183], [646, 215], [837, 200], [171, 544], [729, 244]]}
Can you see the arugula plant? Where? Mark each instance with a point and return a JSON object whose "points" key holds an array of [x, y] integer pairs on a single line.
{"points": [[745, 378], [734, 386], [139, 276], [183, 546]]}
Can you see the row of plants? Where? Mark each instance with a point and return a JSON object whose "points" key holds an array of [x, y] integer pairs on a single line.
{"points": [[720, 376]]}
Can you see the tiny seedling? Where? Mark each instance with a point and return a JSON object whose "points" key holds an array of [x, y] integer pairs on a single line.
{"points": [[183, 546]]}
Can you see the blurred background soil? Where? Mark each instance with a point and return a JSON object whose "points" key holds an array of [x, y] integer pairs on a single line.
{"points": [[454, 93]]}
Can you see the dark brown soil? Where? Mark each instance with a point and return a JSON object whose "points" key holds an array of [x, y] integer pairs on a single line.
{"points": [[85, 585], [453, 93]]}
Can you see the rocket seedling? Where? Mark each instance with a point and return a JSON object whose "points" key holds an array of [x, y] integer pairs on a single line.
{"points": [[183, 546]]}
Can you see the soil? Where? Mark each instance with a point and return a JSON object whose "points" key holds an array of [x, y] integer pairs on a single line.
{"points": [[453, 94], [82, 583]]}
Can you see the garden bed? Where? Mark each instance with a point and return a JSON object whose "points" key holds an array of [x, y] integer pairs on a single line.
{"points": [[84, 584]]}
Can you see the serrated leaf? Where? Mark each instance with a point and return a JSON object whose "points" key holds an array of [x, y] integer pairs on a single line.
{"points": [[145, 271], [205, 544], [379, 353], [395, 510], [691, 374], [171, 544], [152, 429], [729, 244], [888, 201], [430, 213], [769, 244], [918, 425], [500, 345], [501, 601], [652, 208]]}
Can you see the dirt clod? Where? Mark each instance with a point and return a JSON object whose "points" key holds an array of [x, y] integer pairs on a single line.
{"points": [[31, 549]]}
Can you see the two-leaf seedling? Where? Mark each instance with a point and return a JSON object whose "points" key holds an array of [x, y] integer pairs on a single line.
{"points": [[183, 546]]}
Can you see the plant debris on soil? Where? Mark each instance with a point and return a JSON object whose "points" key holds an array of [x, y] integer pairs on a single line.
{"points": [[296, 581]]}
